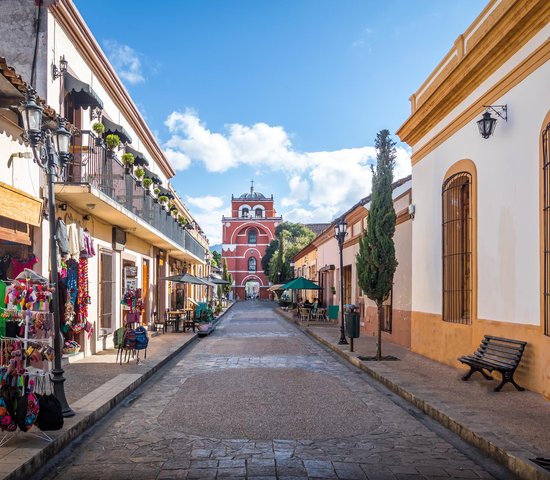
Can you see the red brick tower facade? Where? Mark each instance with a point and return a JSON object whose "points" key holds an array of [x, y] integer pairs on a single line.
{"points": [[246, 235]]}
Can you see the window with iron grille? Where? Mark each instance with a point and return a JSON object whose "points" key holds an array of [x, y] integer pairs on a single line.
{"points": [[546, 220], [251, 264], [457, 248], [252, 236]]}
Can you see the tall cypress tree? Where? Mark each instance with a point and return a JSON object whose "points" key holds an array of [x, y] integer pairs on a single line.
{"points": [[376, 262]]}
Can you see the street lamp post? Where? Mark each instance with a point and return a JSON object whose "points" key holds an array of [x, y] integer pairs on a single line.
{"points": [[51, 151], [340, 232]]}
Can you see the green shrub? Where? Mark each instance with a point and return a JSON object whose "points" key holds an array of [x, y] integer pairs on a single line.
{"points": [[98, 128], [112, 141], [127, 158]]}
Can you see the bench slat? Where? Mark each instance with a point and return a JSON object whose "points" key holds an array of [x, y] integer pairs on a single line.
{"points": [[507, 340]]}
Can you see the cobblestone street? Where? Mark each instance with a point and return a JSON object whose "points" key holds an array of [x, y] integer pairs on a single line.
{"points": [[258, 399]]}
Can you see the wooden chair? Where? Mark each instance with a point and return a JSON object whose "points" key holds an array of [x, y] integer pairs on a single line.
{"points": [[157, 324], [304, 314], [169, 320], [321, 315], [189, 320]]}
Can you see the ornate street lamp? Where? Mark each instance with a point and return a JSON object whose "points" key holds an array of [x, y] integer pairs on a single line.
{"points": [[487, 124], [51, 151], [340, 232]]}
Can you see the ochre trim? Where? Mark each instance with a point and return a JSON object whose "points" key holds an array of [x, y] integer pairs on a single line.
{"points": [[541, 221], [80, 35], [494, 40], [539, 57]]}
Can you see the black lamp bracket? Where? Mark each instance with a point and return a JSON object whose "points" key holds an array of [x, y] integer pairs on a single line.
{"points": [[500, 110]]}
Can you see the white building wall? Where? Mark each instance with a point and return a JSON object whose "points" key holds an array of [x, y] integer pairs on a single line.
{"points": [[508, 166]]}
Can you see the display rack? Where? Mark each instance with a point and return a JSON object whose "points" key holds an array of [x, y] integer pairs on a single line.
{"points": [[26, 354]]}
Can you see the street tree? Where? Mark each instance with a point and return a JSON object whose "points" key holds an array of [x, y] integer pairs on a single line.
{"points": [[290, 238], [227, 277], [376, 261], [216, 258]]}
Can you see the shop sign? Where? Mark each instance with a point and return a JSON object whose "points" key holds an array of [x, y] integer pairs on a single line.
{"points": [[130, 271]]}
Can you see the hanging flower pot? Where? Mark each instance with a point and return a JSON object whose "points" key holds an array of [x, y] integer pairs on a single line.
{"points": [[128, 162], [112, 141], [99, 129], [139, 174], [147, 182]]}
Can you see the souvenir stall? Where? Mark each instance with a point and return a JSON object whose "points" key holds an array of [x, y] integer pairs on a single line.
{"points": [[26, 357], [75, 247], [131, 338]]}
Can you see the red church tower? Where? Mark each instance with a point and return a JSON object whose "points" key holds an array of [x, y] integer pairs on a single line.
{"points": [[246, 235]]}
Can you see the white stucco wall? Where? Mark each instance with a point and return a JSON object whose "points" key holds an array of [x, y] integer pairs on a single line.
{"points": [[508, 208], [60, 45]]}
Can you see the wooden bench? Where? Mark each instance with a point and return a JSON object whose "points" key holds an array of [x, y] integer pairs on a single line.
{"points": [[496, 353]]}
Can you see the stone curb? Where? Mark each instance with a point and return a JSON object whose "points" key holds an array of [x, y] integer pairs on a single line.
{"points": [[515, 462], [83, 420]]}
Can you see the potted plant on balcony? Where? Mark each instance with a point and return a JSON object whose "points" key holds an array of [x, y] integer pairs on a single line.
{"points": [[147, 183], [162, 200], [127, 160], [156, 191], [99, 129], [112, 141], [139, 173]]}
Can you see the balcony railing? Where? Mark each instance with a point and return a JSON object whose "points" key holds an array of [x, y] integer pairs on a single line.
{"points": [[94, 165]]}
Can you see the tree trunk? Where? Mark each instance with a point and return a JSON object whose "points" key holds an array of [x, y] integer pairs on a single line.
{"points": [[379, 339]]}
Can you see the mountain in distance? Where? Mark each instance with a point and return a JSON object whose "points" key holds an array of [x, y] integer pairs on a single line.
{"points": [[216, 248]]}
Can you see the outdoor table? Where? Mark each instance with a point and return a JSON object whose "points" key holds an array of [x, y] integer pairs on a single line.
{"points": [[174, 315]]}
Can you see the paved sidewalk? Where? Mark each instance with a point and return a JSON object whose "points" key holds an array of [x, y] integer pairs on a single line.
{"points": [[93, 387], [510, 426]]}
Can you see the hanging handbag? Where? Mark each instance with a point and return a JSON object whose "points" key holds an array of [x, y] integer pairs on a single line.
{"points": [[50, 416]]}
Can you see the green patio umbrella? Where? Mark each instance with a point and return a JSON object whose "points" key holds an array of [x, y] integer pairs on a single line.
{"points": [[300, 283]]}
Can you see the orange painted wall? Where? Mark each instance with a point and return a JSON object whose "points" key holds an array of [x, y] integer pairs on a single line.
{"points": [[401, 326], [445, 342]]}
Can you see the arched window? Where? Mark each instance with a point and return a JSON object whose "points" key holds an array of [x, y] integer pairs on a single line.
{"points": [[252, 236], [245, 212], [545, 144], [251, 264], [457, 248], [259, 213]]}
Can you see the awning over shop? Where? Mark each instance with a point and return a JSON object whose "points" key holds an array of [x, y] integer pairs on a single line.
{"points": [[20, 206], [82, 94], [273, 288], [153, 176], [164, 191], [112, 128], [139, 158]]}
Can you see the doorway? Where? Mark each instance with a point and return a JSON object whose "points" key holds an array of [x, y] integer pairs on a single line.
{"points": [[252, 290]]}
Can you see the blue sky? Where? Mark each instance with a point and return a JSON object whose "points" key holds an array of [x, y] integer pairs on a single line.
{"points": [[290, 93]]}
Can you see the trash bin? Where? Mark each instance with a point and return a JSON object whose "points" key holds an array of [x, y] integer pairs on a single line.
{"points": [[351, 321]]}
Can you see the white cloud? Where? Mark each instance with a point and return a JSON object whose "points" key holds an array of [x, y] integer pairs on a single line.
{"points": [[178, 160], [208, 213], [125, 60], [299, 190], [320, 184], [208, 202]]}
